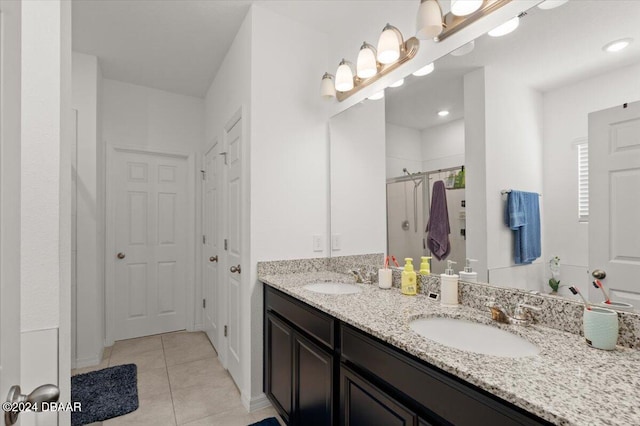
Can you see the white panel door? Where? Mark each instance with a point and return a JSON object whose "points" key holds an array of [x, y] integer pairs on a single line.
{"points": [[150, 244], [234, 270], [614, 199], [211, 251]]}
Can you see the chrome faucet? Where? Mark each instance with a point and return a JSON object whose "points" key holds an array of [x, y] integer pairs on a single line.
{"points": [[522, 314]]}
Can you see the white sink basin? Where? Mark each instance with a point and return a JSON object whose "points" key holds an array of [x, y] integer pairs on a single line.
{"points": [[333, 288], [474, 337]]}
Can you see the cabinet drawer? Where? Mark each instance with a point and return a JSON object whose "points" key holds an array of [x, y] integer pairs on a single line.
{"points": [[449, 399], [308, 319]]}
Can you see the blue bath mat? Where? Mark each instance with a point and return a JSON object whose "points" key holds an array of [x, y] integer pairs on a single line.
{"points": [[104, 394], [271, 421]]}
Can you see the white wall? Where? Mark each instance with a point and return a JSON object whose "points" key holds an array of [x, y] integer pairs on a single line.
{"points": [[89, 212], [503, 141], [566, 120], [138, 116], [289, 153], [442, 146], [403, 150]]}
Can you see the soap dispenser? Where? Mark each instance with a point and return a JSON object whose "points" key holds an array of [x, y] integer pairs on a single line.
{"points": [[468, 274], [449, 286], [409, 285], [425, 266]]}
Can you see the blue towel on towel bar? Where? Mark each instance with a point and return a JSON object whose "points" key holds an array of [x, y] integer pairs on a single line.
{"points": [[523, 217], [438, 225]]}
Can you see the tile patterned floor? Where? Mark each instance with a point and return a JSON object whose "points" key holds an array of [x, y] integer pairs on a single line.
{"points": [[180, 382]]}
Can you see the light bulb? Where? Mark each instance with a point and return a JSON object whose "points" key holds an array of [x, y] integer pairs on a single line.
{"points": [[465, 7], [366, 65], [389, 45], [505, 28], [344, 77], [428, 69], [428, 20]]}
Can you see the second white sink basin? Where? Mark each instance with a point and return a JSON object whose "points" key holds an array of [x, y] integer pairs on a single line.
{"points": [[474, 337], [333, 288]]}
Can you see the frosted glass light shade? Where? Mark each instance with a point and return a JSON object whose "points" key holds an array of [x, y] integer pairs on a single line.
{"points": [[389, 45], [427, 69], [366, 66], [376, 96], [397, 83], [551, 4], [327, 89], [465, 7], [344, 77], [464, 49], [505, 28], [428, 20]]}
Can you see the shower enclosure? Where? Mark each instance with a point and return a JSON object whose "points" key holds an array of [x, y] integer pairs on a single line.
{"points": [[408, 205]]}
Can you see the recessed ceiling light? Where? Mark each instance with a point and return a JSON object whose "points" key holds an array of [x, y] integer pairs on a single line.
{"points": [[376, 96], [464, 49], [443, 113], [617, 45], [505, 28], [551, 4], [428, 69], [397, 83]]}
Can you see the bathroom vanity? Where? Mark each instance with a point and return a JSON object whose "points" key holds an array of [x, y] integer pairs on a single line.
{"points": [[353, 360]]}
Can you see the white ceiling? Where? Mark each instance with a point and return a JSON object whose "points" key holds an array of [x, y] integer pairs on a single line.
{"points": [[551, 49]]}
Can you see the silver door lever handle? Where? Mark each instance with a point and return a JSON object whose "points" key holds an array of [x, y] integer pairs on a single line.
{"points": [[44, 393]]}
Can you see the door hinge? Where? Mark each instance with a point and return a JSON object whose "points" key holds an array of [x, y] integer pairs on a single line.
{"points": [[226, 243], [225, 331], [204, 174], [204, 239], [204, 303], [224, 154]]}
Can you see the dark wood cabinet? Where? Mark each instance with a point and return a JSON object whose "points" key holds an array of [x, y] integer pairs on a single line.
{"points": [[362, 403], [321, 372], [313, 383], [278, 357]]}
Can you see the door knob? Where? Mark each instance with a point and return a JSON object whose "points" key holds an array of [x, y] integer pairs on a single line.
{"points": [[599, 274], [213, 259], [235, 269], [121, 255], [18, 402]]}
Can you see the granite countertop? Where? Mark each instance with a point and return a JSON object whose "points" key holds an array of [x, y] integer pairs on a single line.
{"points": [[567, 383]]}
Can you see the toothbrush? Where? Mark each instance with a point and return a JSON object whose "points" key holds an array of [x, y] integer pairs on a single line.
{"points": [[598, 284], [386, 262], [395, 262], [575, 290]]}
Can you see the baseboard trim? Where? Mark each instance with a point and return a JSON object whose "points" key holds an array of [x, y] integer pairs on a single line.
{"points": [[256, 403], [87, 362]]}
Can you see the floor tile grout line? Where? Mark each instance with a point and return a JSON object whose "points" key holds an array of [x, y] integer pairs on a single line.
{"points": [[166, 367]]}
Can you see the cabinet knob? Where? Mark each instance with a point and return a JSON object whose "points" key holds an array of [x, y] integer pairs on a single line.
{"points": [[213, 259], [235, 269], [121, 256]]}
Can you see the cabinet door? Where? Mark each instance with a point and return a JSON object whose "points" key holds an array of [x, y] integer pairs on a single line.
{"points": [[278, 364], [313, 383], [361, 403]]}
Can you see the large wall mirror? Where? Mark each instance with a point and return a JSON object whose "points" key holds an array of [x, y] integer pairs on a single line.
{"points": [[547, 109]]}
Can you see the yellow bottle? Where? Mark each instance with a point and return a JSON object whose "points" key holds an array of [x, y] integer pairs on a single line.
{"points": [[425, 266], [409, 285]]}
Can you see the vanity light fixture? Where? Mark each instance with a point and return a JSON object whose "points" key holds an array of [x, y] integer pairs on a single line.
{"points": [[371, 64], [327, 87], [443, 113], [551, 4], [506, 28], [376, 96], [465, 7], [617, 45], [427, 69], [429, 20], [344, 76], [366, 66], [390, 44]]}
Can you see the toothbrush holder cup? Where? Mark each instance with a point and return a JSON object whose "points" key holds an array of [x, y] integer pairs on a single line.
{"points": [[600, 328], [385, 278]]}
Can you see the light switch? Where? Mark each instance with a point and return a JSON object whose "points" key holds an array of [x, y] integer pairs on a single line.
{"points": [[317, 243], [336, 242]]}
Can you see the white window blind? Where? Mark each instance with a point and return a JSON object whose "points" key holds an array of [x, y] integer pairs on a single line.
{"points": [[583, 182]]}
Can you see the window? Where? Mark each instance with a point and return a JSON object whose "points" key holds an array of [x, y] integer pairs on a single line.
{"points": [[583, 181]]}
